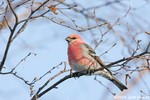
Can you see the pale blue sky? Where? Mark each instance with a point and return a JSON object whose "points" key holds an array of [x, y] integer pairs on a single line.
{"points": [[47, 40]]}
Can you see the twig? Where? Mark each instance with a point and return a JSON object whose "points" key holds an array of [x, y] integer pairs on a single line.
{"points": [[104, 86], [108, 49], [41, 88], [14, 13], [37, 79], [129, 58], [23, 60], [25, 23], [78, 30], [10, 37], [76, 74]]}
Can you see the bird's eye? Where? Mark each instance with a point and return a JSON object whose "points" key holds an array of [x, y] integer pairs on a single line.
{"points": [[73, 38]]}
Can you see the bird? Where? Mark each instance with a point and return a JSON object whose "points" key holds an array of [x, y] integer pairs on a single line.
{"points": [[82, 57]]}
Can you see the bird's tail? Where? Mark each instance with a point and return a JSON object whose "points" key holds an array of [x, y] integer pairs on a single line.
{"points": [[118, 83]]}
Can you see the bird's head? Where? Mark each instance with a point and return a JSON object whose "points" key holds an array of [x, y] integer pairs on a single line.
{"points": [[74, 38]]}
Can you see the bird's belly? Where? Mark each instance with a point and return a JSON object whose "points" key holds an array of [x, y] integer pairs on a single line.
{"points": [[85, 64], [104, 73], [77, 67], [88, 64]]}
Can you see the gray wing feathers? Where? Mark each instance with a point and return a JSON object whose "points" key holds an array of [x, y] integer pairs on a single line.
{"points": [[93, 54]]}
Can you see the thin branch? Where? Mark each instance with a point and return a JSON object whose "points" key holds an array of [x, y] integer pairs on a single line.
{"points": [[37, 79], [6, 50], [104, 86], [128, 58], [108, 49], [25, 24], [7, 23], [59, 73], [76, 74], [10, 37], [14, 13], [78, 30], [23, 60]]}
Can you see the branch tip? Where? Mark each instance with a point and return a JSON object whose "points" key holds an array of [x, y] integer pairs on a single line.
{"points": [[147, 47]]}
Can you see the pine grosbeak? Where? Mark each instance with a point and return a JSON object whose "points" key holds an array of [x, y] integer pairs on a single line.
{"points": [[82, 57]]}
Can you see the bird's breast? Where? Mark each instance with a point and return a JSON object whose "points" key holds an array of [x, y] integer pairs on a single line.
{"points": [[80, 60]]}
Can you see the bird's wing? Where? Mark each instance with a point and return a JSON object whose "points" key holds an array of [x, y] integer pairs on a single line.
{"points": [[93, 54]]}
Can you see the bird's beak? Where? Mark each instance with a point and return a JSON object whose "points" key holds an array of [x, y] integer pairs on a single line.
{"points": [[68, 39]]}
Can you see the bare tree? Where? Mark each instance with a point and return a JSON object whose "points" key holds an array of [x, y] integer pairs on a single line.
{"points": [[112, 23]]}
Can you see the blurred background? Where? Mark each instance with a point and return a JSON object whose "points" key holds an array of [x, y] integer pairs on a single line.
{"points": [[114, 28]]}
